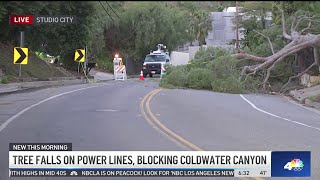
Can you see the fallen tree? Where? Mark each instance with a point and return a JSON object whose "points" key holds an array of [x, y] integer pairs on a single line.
{"points": [[298, 40]]}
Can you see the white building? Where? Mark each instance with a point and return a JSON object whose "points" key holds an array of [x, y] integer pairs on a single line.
{"points": [[223, 33], [224, 30]]}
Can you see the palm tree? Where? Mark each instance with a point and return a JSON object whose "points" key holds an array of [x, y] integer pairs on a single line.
{"points": [[202, 24]]}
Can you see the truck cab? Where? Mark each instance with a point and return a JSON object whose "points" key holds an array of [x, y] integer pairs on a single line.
{"points": [[155, 62]]}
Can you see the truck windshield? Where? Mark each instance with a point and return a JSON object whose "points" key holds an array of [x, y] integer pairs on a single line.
{"points": [[155, 58]]}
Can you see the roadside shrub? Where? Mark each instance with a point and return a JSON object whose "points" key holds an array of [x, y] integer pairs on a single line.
{"points": [[213, 69], [105, 64], [207, 55], [229, 85], [224, 67], [4, 80], [109, 66], [210, 53], [41, 55], [200, 78], [177, 78], [282, 71], [165, 84], [170, 68], [252, 83]]}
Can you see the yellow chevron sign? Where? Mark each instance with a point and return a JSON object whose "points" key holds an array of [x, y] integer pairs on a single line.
{"points": [[79, 55], [20, 55]]}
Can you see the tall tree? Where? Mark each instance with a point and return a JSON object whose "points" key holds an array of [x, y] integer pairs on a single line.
{"points": [[200, 25], [143, 25]]}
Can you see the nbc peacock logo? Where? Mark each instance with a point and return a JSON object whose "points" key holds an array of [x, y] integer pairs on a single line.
{"points": [[295, 164]]}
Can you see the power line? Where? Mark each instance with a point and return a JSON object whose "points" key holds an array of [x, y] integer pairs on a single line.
{"points": [[106, 11], [112, 10], [121, 36]]}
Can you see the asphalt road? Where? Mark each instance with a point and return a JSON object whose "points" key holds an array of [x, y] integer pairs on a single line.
{"points": [[120, 116]]}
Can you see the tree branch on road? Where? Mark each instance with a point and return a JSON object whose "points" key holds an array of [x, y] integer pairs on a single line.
{"points": [[297, 43]]}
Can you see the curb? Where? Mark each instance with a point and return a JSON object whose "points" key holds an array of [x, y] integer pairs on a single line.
{"points": [[98, 81], [306, 103], [311, 103], [302, 94], [297, 96], [25, 86]]}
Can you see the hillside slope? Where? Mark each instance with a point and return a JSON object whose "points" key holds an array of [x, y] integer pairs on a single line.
{"points": [[36, 67]]}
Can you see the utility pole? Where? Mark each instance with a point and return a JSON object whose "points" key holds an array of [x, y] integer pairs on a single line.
{"points": [[237, 24], [21, 45]]}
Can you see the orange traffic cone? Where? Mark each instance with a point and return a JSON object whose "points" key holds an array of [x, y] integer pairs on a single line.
{"points": [[141, 75]]}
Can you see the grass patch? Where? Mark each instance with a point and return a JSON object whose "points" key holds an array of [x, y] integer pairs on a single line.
{"points": [[4, 80], [315, 98]]}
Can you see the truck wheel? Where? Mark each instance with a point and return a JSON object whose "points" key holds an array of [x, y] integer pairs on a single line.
{"points": [[150, 75], [144, 75]]}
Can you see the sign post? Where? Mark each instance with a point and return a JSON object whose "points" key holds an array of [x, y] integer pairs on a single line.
{"points": [[21, 45], [78, 67], [85, 61]]}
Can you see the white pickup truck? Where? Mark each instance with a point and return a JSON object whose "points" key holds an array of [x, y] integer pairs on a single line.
{"points": [[155, 61]]}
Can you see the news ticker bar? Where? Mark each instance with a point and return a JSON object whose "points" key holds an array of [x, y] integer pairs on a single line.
{"points": [[123, 173], [37, 156]]}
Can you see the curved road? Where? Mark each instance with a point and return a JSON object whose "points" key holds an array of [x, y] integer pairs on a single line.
{"points": [[136, 115]]}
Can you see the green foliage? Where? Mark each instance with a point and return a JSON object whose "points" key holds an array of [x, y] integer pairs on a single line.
{"points": [[145, 24], [229, 85], [223, 67], [4, 80], [225, 4], [282, 71], [36, 67], [57, 39], [300, 9], [139, 28], [257, 44], [104, 61], [212, 68], [199, 25], [165, 84], [200, 78], [40, 54], [255, 10], [169, 69], [176, 78], [315, 98], [206, 55], [142, 25], [105, 64]]}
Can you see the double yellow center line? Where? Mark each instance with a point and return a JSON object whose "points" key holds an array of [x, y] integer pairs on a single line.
{"points": [[156, 124]]}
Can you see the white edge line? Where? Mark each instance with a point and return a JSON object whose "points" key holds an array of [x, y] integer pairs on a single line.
{"points": [[255, 107], [8, 121]]}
